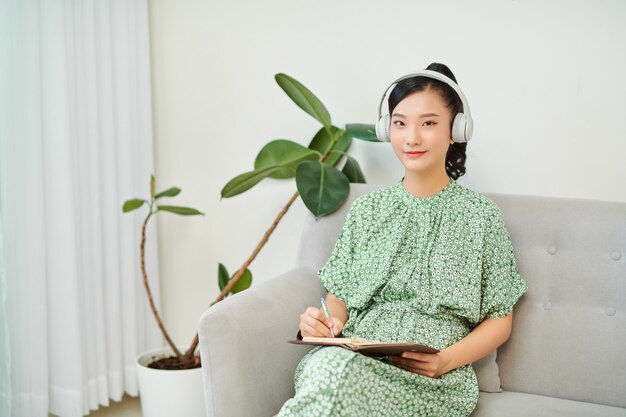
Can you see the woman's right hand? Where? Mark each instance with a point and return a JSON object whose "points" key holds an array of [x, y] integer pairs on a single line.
{"points": [[313, 323]]}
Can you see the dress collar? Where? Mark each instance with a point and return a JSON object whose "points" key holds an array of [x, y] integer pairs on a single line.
{"points": [[413, 200]]}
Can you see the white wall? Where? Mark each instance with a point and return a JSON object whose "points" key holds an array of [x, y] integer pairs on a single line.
{"points": [[545, 81]]}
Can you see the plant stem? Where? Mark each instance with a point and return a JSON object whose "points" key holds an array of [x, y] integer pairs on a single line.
{"points": [[266, 236], [147, 287], [243, 268], [256, 251]]}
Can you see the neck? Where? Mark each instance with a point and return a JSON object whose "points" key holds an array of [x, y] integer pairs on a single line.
{"points": [[425, 186]]}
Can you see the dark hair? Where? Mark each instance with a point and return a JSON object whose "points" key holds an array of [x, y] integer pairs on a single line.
{"points": [[455, 158]]}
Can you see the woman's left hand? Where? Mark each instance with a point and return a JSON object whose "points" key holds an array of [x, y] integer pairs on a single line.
{"points": [[432, 365]]}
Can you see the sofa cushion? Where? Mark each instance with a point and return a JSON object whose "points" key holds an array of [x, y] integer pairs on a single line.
{"points": [[487, 373], [516, 404]]}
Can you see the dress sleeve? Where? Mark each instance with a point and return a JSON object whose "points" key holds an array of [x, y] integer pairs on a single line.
{"points": [[337, 273], [502, 284]]}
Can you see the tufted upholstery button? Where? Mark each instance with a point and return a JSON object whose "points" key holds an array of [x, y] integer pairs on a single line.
{"points": [[610, 311], [551, 250], [547, 305], [616, 256]]}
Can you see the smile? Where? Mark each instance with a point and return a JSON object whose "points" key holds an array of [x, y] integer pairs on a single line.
{"points": [[414, 154]]}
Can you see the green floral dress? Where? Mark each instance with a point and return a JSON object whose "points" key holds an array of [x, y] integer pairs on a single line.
{"points": [[409, 269]]}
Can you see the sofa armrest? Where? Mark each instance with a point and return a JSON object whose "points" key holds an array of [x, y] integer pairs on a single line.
{"points": [[247, 364]]}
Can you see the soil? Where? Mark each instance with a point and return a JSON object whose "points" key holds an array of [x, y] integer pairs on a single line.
{"points": [[173, 363]]}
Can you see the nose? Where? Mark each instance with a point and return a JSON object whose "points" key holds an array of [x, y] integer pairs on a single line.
{"points": [[413, 137]]}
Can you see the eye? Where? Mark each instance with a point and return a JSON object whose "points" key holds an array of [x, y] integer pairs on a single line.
{"points": [[428, 123], [398, 123]]}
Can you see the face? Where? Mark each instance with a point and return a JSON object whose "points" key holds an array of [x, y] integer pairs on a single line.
{"points": [[420, 133]]}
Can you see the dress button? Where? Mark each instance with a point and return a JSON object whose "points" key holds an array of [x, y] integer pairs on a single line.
{"points": [[551, 250], [616, 256], [547, 305], [610, 311]]}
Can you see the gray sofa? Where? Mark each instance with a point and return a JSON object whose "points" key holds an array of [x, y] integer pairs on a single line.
{"points": [[566, 355]]}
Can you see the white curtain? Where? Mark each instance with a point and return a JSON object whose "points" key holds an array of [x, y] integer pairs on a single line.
{"points": [[75, 142]]}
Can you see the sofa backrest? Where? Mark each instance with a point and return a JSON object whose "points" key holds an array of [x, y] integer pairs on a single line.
{"points": [[569, 329]]}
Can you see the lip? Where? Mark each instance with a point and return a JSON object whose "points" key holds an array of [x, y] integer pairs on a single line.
{"points": [[414, 154]]}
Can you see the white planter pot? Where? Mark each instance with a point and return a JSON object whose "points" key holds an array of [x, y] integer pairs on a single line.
{"points": [[166, 393]]}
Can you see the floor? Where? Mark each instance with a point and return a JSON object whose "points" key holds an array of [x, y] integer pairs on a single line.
{"points": [[128, 407]]}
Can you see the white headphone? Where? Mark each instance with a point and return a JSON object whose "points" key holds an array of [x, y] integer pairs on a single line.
{"points": [[462, 127]]}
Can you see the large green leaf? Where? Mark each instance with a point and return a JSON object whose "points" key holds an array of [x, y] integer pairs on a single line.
{"points": [[242, 283], [247, 180], [170, 192], [222, 276], [286, 154], [362, 131], [304, 98], [132, 204], [321, 141], [184, 211], [323, 188], [352, 170]]}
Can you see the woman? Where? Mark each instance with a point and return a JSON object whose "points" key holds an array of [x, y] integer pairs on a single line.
{"points": [[425, 260]]}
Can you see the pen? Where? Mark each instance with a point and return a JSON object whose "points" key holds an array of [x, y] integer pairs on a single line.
{"points": [[325, 310]]}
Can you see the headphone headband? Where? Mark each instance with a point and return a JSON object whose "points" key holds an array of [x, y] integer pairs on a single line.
{"points": [[463, 124]]}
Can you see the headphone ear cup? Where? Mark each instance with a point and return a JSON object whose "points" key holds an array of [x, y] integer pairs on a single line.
{"points": [[382, 128], [459, 129]]}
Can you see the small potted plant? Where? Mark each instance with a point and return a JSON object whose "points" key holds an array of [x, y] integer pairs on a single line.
{"points": [[170, 376]]}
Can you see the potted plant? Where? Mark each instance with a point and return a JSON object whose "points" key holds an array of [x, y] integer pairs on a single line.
{"points": [[323, 189], [162, 393]]}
